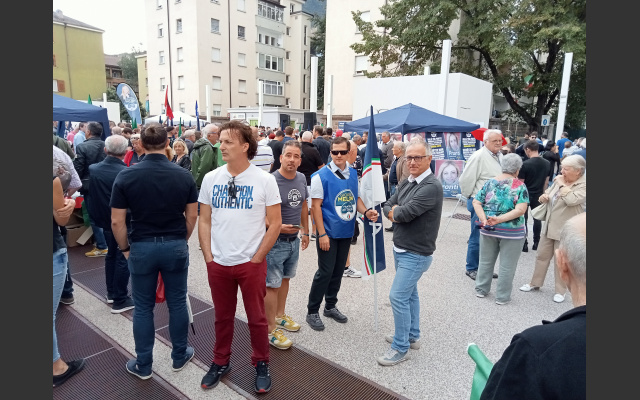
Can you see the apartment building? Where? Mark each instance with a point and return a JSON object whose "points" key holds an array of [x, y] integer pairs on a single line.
{"points": [[143, 80], [229, 46], [113, 70], [78, 58]]}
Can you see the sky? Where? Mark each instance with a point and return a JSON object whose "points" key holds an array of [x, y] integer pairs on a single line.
{"points": [[121, 20]]}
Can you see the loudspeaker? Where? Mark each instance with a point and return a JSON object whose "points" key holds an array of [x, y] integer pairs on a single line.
{"points": [[309, 121], [284, 121]]}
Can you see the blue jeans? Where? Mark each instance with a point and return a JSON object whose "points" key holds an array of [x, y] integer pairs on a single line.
{"points": [[404, 298], [282, 261], [59, 273], [116, 271], [473, 248], [171, 259]]}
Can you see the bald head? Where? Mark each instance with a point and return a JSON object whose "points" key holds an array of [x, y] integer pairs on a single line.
{"points": [[307, 136]]}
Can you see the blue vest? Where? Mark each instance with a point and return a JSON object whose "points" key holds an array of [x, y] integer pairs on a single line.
{"points": [[339, 203]]}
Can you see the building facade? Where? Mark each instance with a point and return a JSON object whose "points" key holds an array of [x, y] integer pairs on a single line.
{"points": [[143, 81], [78, 59], [231, 47], [113, 71]]}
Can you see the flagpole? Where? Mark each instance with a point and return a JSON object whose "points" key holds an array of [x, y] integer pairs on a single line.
{"points": [[374, 233]]}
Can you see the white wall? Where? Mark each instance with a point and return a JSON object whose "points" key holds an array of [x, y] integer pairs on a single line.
{"points": [[113, 109], [468, 98]]}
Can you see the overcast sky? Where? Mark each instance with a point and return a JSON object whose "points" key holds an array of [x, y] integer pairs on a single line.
{"points": [[121, 20]]}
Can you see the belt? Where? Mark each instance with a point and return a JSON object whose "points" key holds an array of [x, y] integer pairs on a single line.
{"points": [[287, 239], [160, 238]]}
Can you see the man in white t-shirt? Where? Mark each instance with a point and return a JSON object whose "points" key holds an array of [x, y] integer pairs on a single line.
{"points": [[235, 199], [264, 157]]}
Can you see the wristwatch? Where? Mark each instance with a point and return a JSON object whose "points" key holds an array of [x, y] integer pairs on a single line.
{"points": [[125, 249]]}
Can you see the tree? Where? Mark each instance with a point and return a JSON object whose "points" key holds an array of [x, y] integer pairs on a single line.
{"points": [[129, 66], [519, 46], [112, 95], [319, 22]]}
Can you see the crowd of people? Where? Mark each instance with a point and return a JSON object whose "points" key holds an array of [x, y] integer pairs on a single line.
{"points": [[258, 196]]}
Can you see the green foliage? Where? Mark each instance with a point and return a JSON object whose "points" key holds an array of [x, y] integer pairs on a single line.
{"points": [[319, 22], [501, 42], [129, 66]]}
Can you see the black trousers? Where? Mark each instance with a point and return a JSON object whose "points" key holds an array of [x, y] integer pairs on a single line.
{"points": [[537, 224], [328, 278]]}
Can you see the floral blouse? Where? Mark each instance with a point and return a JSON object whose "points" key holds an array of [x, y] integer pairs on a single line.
{"points": [[500, 197]]}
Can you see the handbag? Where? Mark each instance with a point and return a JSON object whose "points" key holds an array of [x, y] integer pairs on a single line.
{"points": [[540, 212]]}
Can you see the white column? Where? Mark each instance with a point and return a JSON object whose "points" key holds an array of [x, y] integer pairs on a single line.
{"points": [[206, 98], [564, 90], [444, 76], [260, 100], [330, 103], [313, 100], [104, 99], [427, 70]]}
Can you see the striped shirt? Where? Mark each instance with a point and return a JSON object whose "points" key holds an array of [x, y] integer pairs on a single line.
{"points": [[263, 158]]}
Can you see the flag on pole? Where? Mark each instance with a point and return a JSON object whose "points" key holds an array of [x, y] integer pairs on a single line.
{"points": [[180, 128], [134, 124], [89, 100], [373, 195], [197, 117], [167, 107], [481, 374]]}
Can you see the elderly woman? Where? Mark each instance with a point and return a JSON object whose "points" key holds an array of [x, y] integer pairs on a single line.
{"points": [[181, 156], [566, 197], [500, 205]]}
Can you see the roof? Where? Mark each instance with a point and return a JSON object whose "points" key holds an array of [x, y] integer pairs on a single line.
{"points": [[63, 19], [112, 60]]}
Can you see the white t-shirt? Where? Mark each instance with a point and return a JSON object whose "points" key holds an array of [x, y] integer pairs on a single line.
{"points": [[263, 158], [238, 226]]}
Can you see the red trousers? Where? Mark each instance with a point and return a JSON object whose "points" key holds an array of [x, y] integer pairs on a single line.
{"points": [[224, 282]]}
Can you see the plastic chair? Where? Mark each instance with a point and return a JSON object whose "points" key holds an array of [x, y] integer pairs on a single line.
{"points": [[481, 374]]}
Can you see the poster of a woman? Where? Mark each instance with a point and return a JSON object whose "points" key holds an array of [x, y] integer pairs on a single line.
{"points": [[448, 172], [452, 143]]}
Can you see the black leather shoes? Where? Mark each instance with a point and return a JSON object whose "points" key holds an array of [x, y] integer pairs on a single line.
{"points": [[390, 229]]}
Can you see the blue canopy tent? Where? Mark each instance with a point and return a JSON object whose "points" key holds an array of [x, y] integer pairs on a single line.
{"points": [[410, 118], [66, 109]]}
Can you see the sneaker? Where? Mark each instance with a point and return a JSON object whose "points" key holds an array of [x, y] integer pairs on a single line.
{"points": [[132, 368], [67, 301], [96, 252], [315, 322], [393, 357], [413, 343], [122, 307], [351, 272], [495, 276], [558, 298], [287, 323], [501, 303], [179, 365], [212, 378], [108, 299], [278, 340], [263, 377], [389, 229], [74, 367], [527, 288], [335, 314], [472, 274], [480, 294]]}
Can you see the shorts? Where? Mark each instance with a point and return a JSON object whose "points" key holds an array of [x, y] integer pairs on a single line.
{"points": [[282, 261]]}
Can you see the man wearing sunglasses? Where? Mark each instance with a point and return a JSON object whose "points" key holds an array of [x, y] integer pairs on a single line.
{"points": [[334, 202], [235, 199]]}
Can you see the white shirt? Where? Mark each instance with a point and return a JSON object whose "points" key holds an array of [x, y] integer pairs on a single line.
{"points": [[263, 158], [316, 191]]}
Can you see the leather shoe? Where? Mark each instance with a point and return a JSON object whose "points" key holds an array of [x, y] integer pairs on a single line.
{"points": [[390, 229], [535, 246], [525, 248], [495, 276]]}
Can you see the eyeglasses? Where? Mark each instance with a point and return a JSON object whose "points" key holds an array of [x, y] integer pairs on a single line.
{"points": [[341, 152], [415, 158], [232, 187]]}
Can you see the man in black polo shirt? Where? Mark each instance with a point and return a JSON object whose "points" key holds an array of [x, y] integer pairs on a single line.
{"points": [[162, 197], [276, 147], [323, 146]]}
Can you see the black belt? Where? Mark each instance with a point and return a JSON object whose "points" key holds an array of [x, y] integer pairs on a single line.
{"points": [[287, 239], [160, 238]]}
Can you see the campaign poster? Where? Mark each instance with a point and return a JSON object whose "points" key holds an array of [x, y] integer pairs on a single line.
{"points": [[469, 144], [436, 141], [453, 148], [396, 136], [129, 101], [409, 136], [448, 173]]}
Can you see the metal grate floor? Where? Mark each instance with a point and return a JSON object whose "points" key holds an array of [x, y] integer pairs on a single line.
{"points": [[104, 375], [297, 373], [465, 217]]}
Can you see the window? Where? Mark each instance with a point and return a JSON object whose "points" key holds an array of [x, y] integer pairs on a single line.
{"points": [[161, 57], [242, 86], [365, 16], [286, 79], [291, 8], [215, 25], [240, 32], [273, 63], [181, 82], [58, 86], [181, 107], [217, 83], [304, 84], [54, 60], [273, 88], [145, 64], [305, 35], [288, 31], [240, 5], [288, 55], [242, 59], [268, 10], [270, 40], [216, 110], [304, 60], [304, 103], [160, 34], [179, 25], [180, 54], [215, 55], [146, 82], [362, 63], [287, 101], [162, 85]]}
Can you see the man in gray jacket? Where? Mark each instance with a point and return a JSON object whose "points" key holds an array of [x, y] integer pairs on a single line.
{"points": [[415, 208]]}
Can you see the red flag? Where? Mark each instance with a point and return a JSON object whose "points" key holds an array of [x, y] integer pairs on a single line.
{"points": [[168, 111]]}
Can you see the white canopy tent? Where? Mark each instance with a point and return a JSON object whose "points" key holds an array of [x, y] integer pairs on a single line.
{"points": [[177, 115]]}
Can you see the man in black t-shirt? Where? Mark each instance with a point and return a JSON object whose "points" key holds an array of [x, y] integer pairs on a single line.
{"points": [[276, 147], [535, 174]]}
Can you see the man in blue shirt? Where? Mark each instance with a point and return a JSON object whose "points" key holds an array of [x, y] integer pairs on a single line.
{"points": [[561, 142]]}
